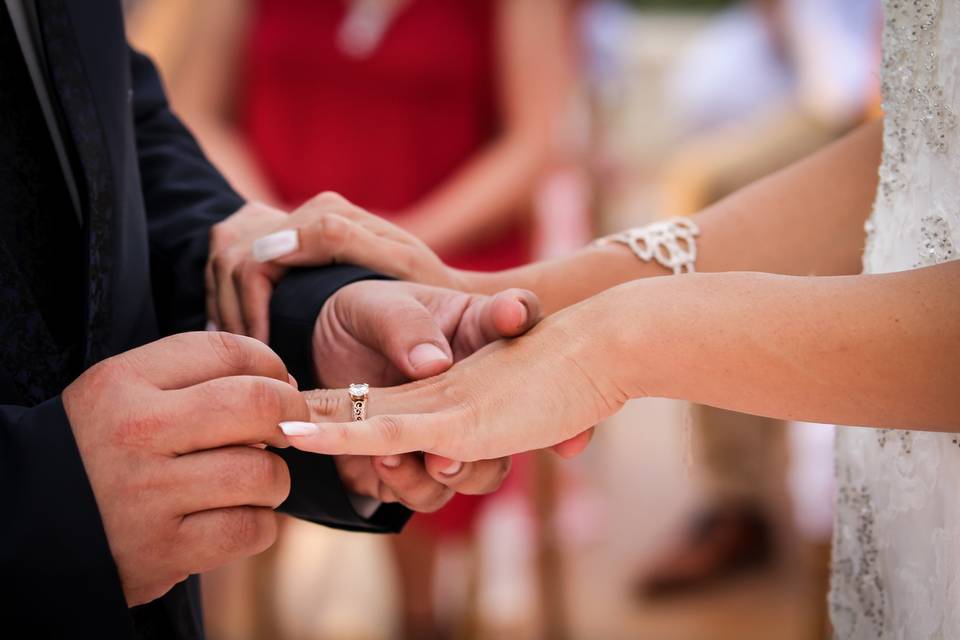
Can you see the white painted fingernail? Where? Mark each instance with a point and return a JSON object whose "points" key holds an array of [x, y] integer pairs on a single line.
{"points": [[211, 326], [426, 353], [453, 469], [276, 245], [298, 428]]}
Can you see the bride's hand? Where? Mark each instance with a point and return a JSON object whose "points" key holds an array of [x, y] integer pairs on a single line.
{"points": [[547, 388], [326, 230]]}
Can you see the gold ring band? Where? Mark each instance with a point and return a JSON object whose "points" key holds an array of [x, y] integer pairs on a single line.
{"points": [[358, 400]]}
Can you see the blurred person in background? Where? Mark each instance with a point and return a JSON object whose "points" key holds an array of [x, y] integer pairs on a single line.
{"points": [[438, 115], [765, 84]]}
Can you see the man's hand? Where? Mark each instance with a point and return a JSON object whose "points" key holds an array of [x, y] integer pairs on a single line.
{"points": [[385, 333], [165, 434]]}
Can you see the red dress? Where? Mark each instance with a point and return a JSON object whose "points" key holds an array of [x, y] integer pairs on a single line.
{"points": [[383, 130], [386, 129]]}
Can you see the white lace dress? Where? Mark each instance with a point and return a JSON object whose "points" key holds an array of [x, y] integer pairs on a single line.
{"points": [[896, 558]]}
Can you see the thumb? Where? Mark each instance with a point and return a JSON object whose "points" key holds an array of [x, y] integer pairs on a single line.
{"points": [[389, 319], [508, 314]]}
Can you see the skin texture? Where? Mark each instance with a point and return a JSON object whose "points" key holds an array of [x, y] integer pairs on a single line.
{"points": [[169, 434], [830, 347], [877, 350], [805, 220], [367, 331]]}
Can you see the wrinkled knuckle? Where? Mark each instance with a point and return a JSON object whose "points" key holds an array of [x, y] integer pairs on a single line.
{"points": [[324, 404], [389, 428], [263, 399], [231, 349], [258, 470], [248, 270], [239, 531], [330, 233]]}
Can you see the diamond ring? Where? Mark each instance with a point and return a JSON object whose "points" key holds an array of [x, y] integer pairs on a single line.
{"points": [[358, 399]]}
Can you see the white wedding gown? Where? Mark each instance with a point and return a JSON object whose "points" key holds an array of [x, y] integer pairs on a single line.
{"points": [[896, 558]]}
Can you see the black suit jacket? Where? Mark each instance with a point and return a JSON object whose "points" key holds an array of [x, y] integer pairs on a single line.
{"points": [[148, 199]]}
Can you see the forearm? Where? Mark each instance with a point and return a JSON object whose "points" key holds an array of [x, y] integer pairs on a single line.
{"points": [[489, 193], [872, 350], [807, 219]]}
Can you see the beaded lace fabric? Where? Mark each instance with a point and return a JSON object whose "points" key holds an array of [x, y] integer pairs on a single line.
{"points": [[896, 557]]}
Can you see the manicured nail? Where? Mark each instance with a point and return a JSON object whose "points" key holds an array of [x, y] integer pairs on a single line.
{"points": [[426, 353], [211, 326], [390, 462], [276, 245], [298, 428], [453, 469]]}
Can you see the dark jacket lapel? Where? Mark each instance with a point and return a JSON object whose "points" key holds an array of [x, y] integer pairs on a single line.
{"points": [[77, 65]]}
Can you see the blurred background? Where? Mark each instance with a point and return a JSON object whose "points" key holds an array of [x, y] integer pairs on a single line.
{"points": [[503, 131]]}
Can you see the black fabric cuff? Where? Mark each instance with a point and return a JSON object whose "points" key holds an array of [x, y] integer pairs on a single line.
{"points": [[318, 495], [59, 577], [294, 308], [316, 492]]}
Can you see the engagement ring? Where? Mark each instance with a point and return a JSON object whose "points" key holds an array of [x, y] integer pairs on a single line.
{"points": [[358, 398]]}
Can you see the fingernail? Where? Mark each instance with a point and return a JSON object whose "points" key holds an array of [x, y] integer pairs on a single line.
{"points": [[453, 469], [276, 245], [298, 428], [425, 353], [391, 462], [293, 381], [211, 326]]}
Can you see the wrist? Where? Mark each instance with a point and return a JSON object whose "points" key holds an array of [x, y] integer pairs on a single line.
{"points": [[587, 342], [631, 327]]}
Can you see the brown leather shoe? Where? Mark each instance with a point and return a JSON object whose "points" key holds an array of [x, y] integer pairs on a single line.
{"points": [[719, 543]]}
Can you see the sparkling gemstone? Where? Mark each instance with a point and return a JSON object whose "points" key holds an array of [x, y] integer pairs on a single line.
{"points": [[359, 390]]}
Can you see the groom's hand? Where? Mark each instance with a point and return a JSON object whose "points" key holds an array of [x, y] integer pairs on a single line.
{"points": [[385, 333], [165, 434]]}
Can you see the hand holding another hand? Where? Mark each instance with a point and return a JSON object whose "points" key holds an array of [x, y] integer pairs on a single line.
{"points": [[253, 249], [545, 389], [385, 333]]}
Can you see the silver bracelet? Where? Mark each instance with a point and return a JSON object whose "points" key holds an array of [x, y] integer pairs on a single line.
{"points": [[672, 243]]}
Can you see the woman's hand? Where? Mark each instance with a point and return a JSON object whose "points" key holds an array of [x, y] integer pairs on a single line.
{"points": [[230, 243], [325, 230], [545, 389]]}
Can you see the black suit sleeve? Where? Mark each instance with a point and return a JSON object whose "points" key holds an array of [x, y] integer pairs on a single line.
{"points": [[54, 556], [293, 311], [184, 196]]}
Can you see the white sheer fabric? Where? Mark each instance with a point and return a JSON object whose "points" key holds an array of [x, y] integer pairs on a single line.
{"points": [[896, 558]]}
